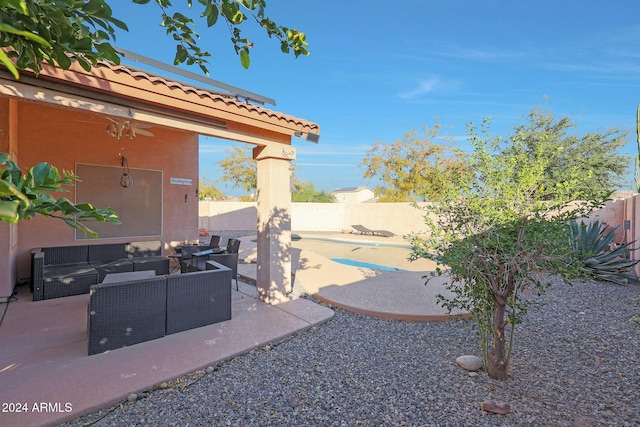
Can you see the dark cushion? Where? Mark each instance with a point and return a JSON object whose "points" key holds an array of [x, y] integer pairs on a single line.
{"points": [[143, 249], [158, 263], [107, 252], [65, 280], [116, 266], [61, 271], [65, 254]]}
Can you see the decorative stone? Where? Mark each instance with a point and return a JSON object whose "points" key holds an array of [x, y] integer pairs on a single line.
{"points": [[132, 397], [496, 407], [470, 363]]}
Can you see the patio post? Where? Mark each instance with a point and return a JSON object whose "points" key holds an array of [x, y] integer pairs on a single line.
{"points": [[273, 196]]}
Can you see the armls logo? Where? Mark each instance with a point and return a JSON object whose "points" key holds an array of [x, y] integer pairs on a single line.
{"points": [[52, 407]]}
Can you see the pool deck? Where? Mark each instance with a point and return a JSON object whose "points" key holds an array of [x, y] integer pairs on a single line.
{"points": [[400, 295], [44, 365]]}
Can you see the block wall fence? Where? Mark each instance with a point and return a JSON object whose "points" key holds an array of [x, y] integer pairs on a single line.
{"points": [[400, 218]]}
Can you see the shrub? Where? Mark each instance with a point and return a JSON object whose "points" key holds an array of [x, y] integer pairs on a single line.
{"points": [[594, 245]]}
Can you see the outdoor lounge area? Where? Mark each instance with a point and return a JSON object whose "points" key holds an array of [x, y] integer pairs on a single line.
{"points": [[62, 271], [133, 298]]}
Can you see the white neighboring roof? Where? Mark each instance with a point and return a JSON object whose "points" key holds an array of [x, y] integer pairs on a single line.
{"points": [[353, 194]]}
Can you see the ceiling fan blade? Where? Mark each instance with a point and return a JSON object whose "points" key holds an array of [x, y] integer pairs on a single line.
{"points": [[142, 132], [141, 125]]}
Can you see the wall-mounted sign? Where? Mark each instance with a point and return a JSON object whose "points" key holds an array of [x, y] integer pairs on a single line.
{"points": [[180, 181]]}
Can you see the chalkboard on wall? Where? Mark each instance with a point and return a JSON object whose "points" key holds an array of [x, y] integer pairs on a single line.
{"points": [[139, 206]]}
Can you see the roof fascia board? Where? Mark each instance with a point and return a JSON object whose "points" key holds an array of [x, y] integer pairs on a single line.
{"points": [[202, 129]]}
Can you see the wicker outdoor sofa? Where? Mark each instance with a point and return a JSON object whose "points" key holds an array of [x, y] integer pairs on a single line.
{"points": [[61, 271], [126, 313]]}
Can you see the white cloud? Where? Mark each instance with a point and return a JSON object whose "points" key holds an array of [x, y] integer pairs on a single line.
{"points": [[453, 50], [428, 85]]}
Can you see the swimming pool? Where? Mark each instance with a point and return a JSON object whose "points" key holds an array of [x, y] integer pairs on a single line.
{"points": [[366, 255]]}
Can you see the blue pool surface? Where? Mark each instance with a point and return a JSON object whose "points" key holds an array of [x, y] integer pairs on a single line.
{"points": [[362, 264]]}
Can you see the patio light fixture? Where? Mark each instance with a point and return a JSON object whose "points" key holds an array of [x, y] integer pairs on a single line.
{"points": [[125, 179]]}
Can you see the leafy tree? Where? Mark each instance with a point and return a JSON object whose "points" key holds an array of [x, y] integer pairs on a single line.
{"points": [[59, 31], [498, 231], [24, 196], [305, 191], [239, 169], [209, 191], [407, 168], [594, 156]]}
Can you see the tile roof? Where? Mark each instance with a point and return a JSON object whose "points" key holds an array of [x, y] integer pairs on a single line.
{"points": [[127, 82]]}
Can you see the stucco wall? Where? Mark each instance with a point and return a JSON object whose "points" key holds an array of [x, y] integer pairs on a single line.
{"points": [[400, 218], [614, 214]]}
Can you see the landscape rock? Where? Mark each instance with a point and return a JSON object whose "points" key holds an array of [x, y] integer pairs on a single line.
{"points": [[470, 363], [496, 407]]}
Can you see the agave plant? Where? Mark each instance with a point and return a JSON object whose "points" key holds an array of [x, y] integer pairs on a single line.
{"points": [[594, 245]]}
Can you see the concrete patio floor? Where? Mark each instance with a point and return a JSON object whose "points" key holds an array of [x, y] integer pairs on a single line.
{"points": [[46, 373]]}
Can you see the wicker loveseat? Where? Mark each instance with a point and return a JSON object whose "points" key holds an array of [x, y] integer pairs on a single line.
{"points": [[61, 271], [126, 313]]}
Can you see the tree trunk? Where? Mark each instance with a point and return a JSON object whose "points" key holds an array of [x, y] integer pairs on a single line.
{"points": [[497, 363]]}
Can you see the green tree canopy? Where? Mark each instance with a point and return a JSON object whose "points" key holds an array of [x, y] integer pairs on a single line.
{"points": [[239, 169], [594, 157], [408, 167], [209, 191], [60, 31], [305, 191]]}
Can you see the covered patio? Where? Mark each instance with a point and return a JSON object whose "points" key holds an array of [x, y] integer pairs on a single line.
{"points": [[152, 126]]}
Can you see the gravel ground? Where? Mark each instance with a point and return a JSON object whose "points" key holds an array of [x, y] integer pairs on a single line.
{"points": [[576, 362]]}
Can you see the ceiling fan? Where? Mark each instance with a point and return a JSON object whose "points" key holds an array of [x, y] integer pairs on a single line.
{"points": [[120, 128]]}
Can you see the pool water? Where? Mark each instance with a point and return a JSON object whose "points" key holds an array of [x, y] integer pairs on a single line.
{"points": [[373, 256], [362, 264]]}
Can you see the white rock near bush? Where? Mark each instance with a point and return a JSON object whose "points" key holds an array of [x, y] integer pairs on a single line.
{"points": [[470, 363]]}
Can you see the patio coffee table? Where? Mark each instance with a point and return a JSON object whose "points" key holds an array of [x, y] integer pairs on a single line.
{"points": [[129, 275]]}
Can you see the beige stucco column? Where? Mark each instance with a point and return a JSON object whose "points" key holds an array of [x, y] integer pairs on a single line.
{"points": [[274, 221]]}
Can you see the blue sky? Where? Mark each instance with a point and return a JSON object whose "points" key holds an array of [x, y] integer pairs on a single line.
{"points": [[378, 69]]}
